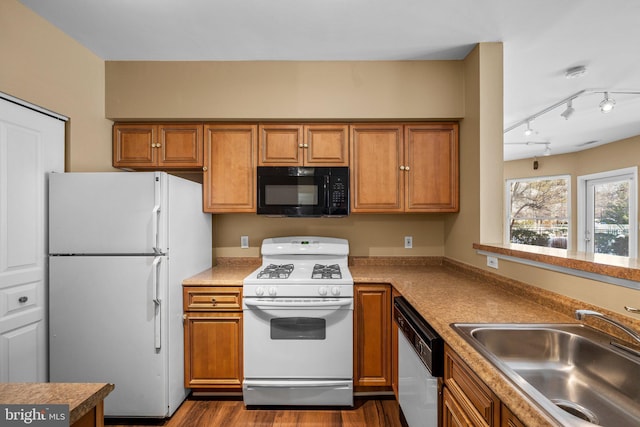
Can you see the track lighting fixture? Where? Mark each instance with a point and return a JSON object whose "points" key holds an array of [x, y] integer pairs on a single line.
{"points": [[547, 151], [528, 131], [569, 110], [607, 103]]}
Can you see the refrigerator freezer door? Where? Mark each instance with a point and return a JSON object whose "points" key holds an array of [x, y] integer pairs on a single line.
{"points": [[107, 325], [107, 213]]}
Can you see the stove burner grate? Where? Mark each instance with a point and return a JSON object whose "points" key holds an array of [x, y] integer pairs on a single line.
{"points": [[273, 271], [326, 272]]}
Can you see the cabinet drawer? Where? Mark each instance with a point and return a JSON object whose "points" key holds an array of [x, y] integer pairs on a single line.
{"points": [[212, 298], [465, 385]]}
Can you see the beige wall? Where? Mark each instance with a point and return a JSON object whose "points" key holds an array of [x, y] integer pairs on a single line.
{"points": [[284, 90], [617, 155], [480, 218], [368, 235], [45, 67]]}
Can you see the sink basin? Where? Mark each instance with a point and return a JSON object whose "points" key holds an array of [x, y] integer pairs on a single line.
{"points": [[570, 370]]}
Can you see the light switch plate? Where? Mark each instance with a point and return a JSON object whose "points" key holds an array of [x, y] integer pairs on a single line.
{"points": [[408, 242], [244, 242]]}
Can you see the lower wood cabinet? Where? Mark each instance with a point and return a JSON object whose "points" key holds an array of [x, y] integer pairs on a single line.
{"points": [[213, 338], [372, 337], [467, 401]]}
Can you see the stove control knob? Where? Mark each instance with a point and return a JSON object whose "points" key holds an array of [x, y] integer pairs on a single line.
{"points": [[335, 291], [259, 291], [273, 291], [322, 291]]}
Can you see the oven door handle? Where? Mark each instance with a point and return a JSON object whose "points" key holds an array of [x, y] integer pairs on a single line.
{"points": [[297, 304], [257, 384]]}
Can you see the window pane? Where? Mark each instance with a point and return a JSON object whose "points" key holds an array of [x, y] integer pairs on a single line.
{"points": [[611, 218], [538, 214]]}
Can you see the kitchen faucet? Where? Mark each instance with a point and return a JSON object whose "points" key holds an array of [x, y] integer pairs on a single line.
{"points": [[581, 314]]}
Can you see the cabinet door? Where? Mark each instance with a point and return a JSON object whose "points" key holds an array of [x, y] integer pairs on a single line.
{"points": [[134, 145], [508, 419], [229, 181], [281, 145], [326, 145], [477, 400], [431, 172], [372, 331], [213, 350], [179, 146], [452, 413], [376, 157]]}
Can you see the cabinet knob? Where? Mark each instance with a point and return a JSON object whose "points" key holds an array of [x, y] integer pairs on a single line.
{"points": [[300, 145], [401, 167], [406, 168], [213, 301], [23, 299], [204, 168], [306, 145], [158, 145]]}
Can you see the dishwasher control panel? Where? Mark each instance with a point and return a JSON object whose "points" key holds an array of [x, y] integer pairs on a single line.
{"points": [[428, 345]]}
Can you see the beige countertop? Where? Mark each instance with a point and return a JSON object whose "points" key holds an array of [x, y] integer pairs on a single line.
{"points": [[81, 397], [445, 292]]}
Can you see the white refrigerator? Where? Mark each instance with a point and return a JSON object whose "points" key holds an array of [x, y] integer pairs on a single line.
{"points": [[120, 244]]}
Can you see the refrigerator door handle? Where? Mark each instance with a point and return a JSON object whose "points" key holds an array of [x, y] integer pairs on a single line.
{"points": [[157, 302], [156, 229]]}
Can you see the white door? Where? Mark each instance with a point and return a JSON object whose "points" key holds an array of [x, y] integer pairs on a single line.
{"points": [[31, 144]]}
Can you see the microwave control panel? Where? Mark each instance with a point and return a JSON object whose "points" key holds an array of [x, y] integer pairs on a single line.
{"points": [[338, 192]]}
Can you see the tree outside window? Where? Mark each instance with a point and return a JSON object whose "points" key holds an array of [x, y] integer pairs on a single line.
{"points": [[538, 211]]}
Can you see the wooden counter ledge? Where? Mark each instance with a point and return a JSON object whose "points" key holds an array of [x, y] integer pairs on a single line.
{"points": [[84, 399]]}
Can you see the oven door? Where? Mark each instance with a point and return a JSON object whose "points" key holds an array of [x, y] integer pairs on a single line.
{"points": [[298, 339], [298, 352]]}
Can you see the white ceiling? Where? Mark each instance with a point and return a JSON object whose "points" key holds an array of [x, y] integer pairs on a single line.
{"points": [[542, 38]]}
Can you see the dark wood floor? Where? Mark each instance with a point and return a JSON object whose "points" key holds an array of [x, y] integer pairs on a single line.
{"points": [[214, 413]]}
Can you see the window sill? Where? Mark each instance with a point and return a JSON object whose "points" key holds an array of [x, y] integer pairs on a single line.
{"points": [[617, 270]]}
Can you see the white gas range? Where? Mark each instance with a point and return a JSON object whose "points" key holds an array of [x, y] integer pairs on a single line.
{"points": [[298, 324]]}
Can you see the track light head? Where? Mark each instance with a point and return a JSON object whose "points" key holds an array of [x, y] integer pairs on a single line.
{"points": [[568, 111], [528, 131], [607, 103], [547, 151]]}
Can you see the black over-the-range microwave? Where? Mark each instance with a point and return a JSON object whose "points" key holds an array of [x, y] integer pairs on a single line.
{"points": [[303, 191]]}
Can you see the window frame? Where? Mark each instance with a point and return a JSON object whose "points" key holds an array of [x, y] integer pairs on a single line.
{"points": [[507, 198], [583, 181]]}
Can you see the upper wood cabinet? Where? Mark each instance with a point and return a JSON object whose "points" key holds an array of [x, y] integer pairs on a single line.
{"points": [[229, 181], [404, 168], [376, 180], [174, 146], [304, 145]]}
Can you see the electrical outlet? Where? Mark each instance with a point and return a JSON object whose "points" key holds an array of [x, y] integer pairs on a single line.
{"points": [[408, 242], [492, 262], [244, 242]]}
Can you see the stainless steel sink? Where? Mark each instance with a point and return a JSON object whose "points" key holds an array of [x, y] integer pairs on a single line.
{"points": [[570, 370]]}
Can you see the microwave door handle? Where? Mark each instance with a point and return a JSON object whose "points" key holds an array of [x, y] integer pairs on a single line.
{"points": [[327, 190]]}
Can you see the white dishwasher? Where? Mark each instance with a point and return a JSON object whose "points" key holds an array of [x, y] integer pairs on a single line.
{"points": [[420, 363]]}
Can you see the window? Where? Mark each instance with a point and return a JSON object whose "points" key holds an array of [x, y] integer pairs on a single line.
{"points": [[538, 211], [607, 218]]}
